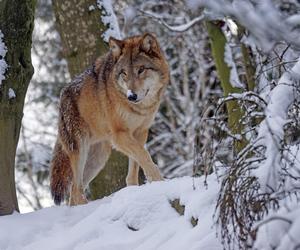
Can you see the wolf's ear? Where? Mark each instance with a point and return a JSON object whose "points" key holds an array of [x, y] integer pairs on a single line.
{"points": [[115, 46], [149, 44]]}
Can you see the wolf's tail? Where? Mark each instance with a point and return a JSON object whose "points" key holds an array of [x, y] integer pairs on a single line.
{"points": [[61, 174]]}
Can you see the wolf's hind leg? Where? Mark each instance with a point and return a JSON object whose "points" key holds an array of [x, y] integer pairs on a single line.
{"points": [[97, 157], [77, 196], [78, 161], [133, 173]]}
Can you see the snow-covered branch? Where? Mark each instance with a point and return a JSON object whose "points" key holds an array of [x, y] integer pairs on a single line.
{"points": [[178, 28], [263, 19], [271, 131]]}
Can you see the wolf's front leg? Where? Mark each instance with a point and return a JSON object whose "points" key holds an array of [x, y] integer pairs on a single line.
{"points": [[133, 173], [132, 178], [135, 149]]}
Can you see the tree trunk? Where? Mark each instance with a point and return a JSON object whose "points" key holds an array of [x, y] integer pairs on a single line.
{"points": [[16, 24], [218, 42], [249, 67], [80, 27], [247, 60], [111, 178]]}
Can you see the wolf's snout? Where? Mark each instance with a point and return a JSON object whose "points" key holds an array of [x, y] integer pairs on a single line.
{"points": [[131, 96]]}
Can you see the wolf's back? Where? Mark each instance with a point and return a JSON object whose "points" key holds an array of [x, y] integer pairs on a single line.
{"points": [[61, 174]]}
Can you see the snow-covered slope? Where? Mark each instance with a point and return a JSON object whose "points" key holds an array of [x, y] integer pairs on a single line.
{"points": [[133, 218]]}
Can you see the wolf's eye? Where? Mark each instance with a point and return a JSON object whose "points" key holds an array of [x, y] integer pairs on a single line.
{"points": [[123, 72], [141, 70]]}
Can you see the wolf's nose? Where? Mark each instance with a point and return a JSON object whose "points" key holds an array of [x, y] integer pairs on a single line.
{"points": [[132, 97]]}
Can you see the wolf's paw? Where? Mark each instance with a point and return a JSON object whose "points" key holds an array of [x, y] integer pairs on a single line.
{"points": [[79, 199], [132, 182], [82, 200], [154, 174]]}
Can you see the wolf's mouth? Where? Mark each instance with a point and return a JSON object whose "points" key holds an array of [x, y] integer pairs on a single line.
{"points": [[140, 100]]}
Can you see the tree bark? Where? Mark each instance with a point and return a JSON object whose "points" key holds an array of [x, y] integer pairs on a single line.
{"points": [[247, 60], [80, 30], [80, 27], [16, 24], [111, 178], [249, 67], [218, 42]]}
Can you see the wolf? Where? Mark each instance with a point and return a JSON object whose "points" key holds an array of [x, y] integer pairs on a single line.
{"points": [[112, 104]]}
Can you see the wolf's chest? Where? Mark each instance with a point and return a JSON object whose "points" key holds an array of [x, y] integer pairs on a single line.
{"points": [[134, 120]]}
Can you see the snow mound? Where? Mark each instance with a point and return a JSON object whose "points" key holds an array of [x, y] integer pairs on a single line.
{"points": [[133, 218], [280, 230]]}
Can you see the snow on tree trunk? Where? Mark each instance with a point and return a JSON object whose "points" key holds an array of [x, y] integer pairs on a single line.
{"points": [[16, 24]]}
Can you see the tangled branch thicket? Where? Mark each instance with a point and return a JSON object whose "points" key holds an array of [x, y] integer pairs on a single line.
{"points": [[245, 197], [239, 203]]}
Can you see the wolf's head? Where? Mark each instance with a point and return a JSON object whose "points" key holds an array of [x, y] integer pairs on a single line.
{"points": [[140, 69]]}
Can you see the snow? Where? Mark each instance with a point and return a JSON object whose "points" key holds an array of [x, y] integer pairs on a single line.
{"points": [[91, 8], [261, 18], [234, 77], [186, 26], [136, 217], [3, 64], [271, 131], [232, 26], [178, 28], [129, 13], [109, 19], [281, 229], [11, 93], [294, 19]]}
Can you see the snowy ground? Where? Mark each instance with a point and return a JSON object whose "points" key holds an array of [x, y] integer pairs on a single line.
{"points": [[133, 218]]}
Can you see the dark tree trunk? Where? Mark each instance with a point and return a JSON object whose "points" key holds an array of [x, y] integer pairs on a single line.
{"points": [[81, 30], [16, 23], [111, 178]]}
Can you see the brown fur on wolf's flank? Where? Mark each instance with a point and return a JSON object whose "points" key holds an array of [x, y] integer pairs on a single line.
{"points": [[94, 110]]}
